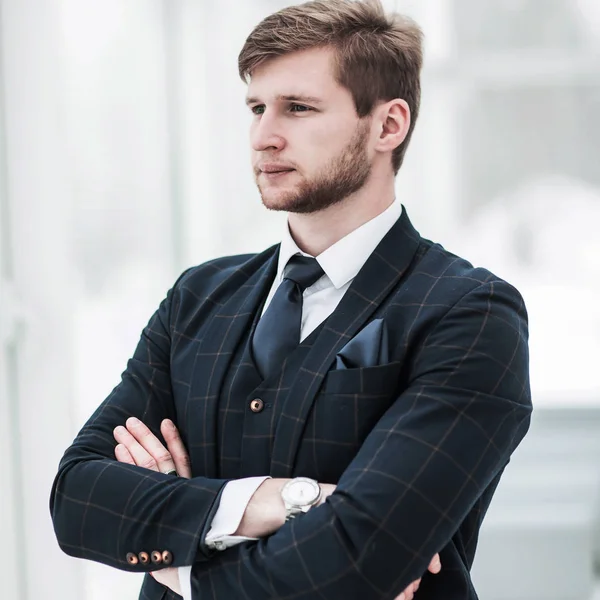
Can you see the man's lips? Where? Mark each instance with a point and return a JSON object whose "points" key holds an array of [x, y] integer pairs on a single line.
{"points": [[275, 173], [272, 166], [272, 170]]}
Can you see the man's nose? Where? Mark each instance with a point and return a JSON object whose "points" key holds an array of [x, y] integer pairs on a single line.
{"points": [[266, 134]]}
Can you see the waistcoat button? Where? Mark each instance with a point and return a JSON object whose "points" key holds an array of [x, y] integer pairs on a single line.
{"points": [[257, 405]]}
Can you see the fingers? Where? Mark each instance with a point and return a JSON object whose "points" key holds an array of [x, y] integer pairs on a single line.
{"points": [[435, 566], [123, 455], [168, 577], [416, 585], [410, 591], [139, 446], [176, 448], [144, 447], [408, 594]]}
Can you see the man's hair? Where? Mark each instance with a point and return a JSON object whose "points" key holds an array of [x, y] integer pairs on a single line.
{"points": [[378, 57]]}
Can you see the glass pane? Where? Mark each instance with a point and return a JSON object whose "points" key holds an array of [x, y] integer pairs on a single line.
{"points": [[513, 135], [512, 24]]}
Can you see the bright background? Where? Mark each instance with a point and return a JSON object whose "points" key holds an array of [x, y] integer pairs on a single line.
{"points": [[124, 159]]}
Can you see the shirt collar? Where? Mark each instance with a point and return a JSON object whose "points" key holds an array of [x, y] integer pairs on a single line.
{"points": [[342, 261]]}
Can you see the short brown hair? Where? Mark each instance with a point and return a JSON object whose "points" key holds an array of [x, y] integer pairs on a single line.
{"points": [[378, 56]]}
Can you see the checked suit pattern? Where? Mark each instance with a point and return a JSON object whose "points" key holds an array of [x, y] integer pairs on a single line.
{"points": [[416, 446]]}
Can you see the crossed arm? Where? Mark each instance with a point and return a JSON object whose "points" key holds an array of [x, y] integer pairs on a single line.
{"points": [[264, 514], [462, 413]]}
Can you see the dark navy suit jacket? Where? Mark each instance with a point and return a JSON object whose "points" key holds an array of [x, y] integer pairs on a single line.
{"points": [[416, 444]]}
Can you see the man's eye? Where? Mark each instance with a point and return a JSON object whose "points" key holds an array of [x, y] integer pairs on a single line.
{"points": [[299, 108], [258, 110]]}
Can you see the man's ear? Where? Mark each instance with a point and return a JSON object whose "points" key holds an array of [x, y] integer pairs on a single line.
{"points": [[394, 119]]}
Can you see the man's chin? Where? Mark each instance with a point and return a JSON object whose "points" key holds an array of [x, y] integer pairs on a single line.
{"points": [[278, 202], [279, 207]]}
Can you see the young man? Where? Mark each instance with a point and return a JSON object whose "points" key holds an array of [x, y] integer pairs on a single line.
{"points": [[348, 398]]}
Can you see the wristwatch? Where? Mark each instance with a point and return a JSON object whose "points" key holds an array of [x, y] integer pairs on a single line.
{"points": [[299, 495]]}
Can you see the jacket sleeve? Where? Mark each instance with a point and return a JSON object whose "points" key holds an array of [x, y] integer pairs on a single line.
{"points": [[416, 477], [103, 510]]}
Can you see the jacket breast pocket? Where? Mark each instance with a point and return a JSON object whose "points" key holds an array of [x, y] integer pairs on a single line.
{"points": [[347, 408], [381, 380]]}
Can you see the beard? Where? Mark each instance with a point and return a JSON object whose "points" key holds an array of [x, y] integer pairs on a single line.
{"points": [[341, 177]]}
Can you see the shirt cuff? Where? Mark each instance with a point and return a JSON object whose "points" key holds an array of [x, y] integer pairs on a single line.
{"points": [[185, 582], [234, 500]]}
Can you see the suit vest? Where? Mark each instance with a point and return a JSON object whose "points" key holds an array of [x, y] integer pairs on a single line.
{"points": [[250, 407]]}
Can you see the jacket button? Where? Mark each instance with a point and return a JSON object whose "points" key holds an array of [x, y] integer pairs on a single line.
{"points": [[144, 558], [167, 557], [156, 557], [132, 559], [257, 405]]}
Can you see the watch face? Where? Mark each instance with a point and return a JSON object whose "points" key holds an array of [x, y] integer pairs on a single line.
{"points": [[301, 492]]}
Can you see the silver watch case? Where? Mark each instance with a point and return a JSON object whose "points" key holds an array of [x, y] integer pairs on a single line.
{"points": [[299, 495]]}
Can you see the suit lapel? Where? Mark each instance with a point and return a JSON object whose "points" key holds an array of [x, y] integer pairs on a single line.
{"points": [[374, 282], [251, 284]]}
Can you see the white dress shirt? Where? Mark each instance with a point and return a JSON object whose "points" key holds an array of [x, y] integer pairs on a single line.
{"points": [[341, 263]]}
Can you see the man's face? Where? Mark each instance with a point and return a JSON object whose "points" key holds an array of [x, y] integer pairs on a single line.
{"points": [[310, 150]]}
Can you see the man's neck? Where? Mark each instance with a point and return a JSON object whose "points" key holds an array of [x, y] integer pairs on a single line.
{"points": [[315, 232]]}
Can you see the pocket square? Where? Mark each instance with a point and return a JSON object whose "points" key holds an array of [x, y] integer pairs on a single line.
{"points": [[367, 349]]}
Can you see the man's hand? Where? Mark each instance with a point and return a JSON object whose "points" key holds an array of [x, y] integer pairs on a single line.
{"points": [[139, 446], [265, 514], [169, 578], [435, 567]]}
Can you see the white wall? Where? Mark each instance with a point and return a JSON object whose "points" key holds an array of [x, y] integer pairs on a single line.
{"points": [[37, 194], [88, 193]]}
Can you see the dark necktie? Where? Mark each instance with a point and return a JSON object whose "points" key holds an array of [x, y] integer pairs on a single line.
{"points": [[277, 333]]}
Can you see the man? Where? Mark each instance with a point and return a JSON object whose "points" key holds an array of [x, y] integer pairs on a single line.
{"points": [[340, 407]]}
